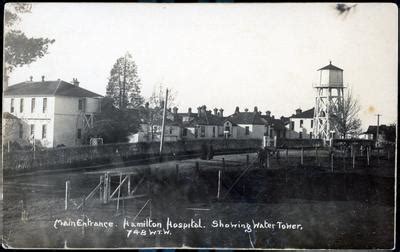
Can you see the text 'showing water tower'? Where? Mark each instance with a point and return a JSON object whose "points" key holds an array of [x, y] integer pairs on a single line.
{"points": [[329, 92]]}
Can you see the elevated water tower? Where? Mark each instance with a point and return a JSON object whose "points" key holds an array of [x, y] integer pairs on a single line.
{"points": [[329, 91]]}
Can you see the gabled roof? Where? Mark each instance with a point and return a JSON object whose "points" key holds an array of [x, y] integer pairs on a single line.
{"points": [[382, 129], [246, 118], [48, 88], [305, 114], [330, 67]]}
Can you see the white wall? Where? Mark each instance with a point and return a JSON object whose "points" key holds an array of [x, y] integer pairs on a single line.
{"points": [[37, 117], [305, 129]]}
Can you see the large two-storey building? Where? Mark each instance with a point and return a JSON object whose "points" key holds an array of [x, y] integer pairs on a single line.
{"points": [[49, 113]]}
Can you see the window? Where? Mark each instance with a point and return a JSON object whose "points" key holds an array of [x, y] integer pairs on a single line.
{"points": [[310, 135], [301, 123], [21, 105], [227, 128], [44, 131], [33, 104], [44, 105], [80, 104], [301, 135], [184, 132], [12, 105], [21, 131], [292, 125], [79, 134], [170, 130], [32, 129], [247, 129], [312, 123], [213, 132], [202, 131], [196, 132]]}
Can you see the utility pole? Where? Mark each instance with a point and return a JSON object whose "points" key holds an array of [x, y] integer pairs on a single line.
{"points": [[163, 122], [377, 129]]}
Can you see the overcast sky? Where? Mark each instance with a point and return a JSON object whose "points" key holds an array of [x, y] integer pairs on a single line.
{"points": [[224, 55]]}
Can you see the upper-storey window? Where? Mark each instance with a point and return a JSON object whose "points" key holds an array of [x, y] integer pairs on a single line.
{"points": [[33, 105], [12, 105], [44, 105], [21, 105], [80, 104]]}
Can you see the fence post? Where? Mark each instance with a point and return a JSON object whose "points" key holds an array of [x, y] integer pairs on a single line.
{"points": [[129, 185], [316, 155], [368, 153], [354, 157], [106, 188], [302, 156], [287, 155], [67, 188], [219, 183], [332, 160], [119, 190], [267, 158], [101, 187], [223, 165], [247, 161]]}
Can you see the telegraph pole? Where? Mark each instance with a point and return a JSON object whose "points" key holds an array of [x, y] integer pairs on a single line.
{"points": [[377, 129], [163, 122]]}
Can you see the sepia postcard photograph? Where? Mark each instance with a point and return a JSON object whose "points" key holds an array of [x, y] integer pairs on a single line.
{"points": [[199, 126]]}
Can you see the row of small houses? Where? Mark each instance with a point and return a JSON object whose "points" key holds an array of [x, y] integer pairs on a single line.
{"points": [[207, 124]]}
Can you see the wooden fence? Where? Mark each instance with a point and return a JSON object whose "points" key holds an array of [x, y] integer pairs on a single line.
{"points": [[113, 153]]}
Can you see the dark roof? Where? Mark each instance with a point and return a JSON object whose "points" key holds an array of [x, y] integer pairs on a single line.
{"points": [[56, 88], [382, 129], [277, 123], [206, 119], [330, 67], [246, 118], [305, 114]]}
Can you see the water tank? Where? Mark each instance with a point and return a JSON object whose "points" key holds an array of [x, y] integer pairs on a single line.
{"points": [[330, 76]]}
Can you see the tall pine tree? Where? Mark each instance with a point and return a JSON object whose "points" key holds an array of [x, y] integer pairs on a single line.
{"points": [[124, 84]]}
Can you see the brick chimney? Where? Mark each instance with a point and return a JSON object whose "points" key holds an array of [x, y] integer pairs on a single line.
{"points": [[189, 111], [237, 110], [31, 78], [146, 105], [255, 109], [175, 109], [221, 112], [198, 111], [298, 111], [75, 82], [42, 78], [246, 110], [215, 111], [268, 113]]}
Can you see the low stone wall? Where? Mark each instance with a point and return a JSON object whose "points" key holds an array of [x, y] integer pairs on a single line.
{"points": [[114, 153]]}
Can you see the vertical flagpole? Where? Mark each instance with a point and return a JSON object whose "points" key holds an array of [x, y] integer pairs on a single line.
{"points": [[163, 122]]}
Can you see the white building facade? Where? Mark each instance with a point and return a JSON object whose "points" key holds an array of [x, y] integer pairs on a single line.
{"points": [[51, 113]]}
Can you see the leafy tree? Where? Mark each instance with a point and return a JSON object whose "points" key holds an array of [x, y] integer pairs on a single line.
{"points": [[154, 112], [112, 124], [124, 84], [344, 116], [20, 50]]}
